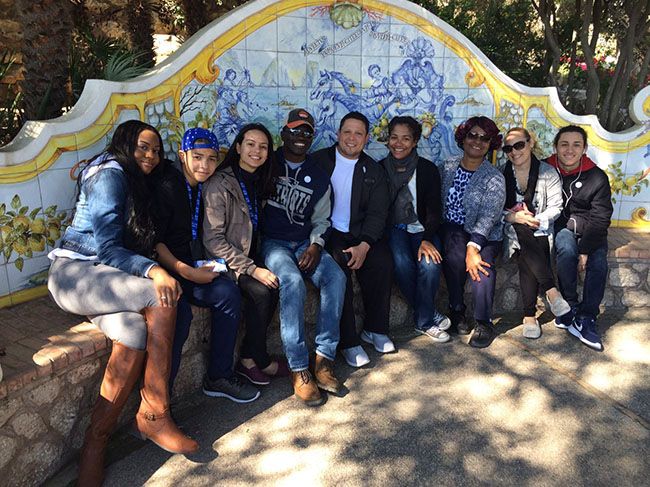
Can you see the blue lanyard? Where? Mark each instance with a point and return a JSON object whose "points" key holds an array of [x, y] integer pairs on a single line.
{"points": [[195, 216], [252, 209]]}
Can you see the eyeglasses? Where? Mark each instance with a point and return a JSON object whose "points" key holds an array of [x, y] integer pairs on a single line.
{"points": [[481, 137], [517, 145], [300, 132]]}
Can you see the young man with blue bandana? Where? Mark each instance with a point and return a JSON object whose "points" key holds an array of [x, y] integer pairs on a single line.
{"points": [[295, 227], [180, 251]]}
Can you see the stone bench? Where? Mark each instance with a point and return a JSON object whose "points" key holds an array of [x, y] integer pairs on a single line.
{"points": [[53, 361]]}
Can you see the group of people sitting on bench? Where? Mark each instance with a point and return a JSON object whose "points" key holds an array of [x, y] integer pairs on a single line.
{"points": [[151, 238]]}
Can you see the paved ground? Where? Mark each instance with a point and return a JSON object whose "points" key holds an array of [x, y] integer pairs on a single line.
{"points": [[522, 412]]}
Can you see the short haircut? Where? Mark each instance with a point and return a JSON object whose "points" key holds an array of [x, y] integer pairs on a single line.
{"points": [[567, 129], [413, 125], [356, 116], [486, 124]]}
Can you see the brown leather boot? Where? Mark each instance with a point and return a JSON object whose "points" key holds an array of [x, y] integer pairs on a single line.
{"points": [[324, 373], [153, 420], [122, 371], [305, 389]]}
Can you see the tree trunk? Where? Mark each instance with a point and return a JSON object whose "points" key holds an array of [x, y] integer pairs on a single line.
{"points": [[140, 26], [638, 14], [195, 15], [643, 72], [568, 99], [593, 82], [546, 11], [47, 27]]}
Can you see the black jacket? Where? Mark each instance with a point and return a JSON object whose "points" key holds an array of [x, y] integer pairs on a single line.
{"points": [[587, 208], [369, 200], [429, 200]]}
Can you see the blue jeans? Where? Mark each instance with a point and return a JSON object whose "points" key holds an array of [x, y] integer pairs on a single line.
{"points": [[418, 281], [224, 300], [566, 253], [281, 258]]}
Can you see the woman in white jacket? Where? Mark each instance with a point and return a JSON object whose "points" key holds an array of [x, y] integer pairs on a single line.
{"points": [[533, 203]]}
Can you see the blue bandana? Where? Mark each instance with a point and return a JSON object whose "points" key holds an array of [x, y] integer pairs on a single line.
{"points": [[191, 135]]}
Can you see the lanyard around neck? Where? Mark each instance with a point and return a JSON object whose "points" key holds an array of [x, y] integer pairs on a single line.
{"points": [[252, 205], [196, 208]]}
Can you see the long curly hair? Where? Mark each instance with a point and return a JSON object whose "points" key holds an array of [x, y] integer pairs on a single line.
{"points": [[265, 184], [486, 124], [140, 234]]}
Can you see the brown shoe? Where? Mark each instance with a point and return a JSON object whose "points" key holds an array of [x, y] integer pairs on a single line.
{"points": [[122, 372], [153, 420], [324, 373], [305, 389]]}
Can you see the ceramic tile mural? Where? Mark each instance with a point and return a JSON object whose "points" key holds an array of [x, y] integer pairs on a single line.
{"points": [[384, 58]]}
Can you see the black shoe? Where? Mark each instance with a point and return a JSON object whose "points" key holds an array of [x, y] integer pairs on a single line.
{"points": [[483, 335], [459, 323]]}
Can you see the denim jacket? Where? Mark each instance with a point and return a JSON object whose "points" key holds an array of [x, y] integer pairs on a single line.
{"points": [[100, 219]]}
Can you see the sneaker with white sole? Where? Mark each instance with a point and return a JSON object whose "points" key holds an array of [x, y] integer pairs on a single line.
{"points": [[435, 333], [565, 321], [441, 321], [381, 342], [233, 388], [355, 356], [584, 329]]}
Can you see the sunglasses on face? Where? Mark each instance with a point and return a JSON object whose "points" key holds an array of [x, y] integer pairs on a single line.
{"points": [[301, 132], [517, 145], [482, 137]]}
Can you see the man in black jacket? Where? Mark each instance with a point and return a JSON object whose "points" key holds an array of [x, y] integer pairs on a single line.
{"points": [[357, 242], [581, 233]]}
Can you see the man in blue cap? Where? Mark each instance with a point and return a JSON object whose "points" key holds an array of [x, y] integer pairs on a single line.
{"points": [[180, 251]]}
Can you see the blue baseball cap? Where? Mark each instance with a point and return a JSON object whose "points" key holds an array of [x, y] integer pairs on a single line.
{"points": [[192, 135]]}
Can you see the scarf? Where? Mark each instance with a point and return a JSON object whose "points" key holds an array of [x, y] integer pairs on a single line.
{"points": [[400, 172], [511, 184]]}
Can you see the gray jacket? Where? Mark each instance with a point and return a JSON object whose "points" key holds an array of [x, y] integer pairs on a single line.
{"points": [[547, 204], [484, 198]]}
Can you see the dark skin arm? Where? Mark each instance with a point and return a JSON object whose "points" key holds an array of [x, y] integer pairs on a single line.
{"points": [[310, 258]]}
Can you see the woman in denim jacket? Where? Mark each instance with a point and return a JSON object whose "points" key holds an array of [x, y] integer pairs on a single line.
{"points": [[104, 269], [473, 194]]}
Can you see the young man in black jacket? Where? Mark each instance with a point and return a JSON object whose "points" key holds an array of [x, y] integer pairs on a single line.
{"points": [[357, 242], [581, 233]]}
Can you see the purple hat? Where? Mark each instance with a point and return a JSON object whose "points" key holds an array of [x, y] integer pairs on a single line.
{"points": [[192, 135]]}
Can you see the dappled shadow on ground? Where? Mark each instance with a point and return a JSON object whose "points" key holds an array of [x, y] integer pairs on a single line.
{"points": [[520, 412]]}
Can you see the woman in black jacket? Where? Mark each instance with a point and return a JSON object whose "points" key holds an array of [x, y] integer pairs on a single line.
{"points": [[414, 218]]}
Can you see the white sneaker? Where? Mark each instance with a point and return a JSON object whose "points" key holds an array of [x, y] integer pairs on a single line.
{"points": [[355, 356], [435, 333], [382, 343]]}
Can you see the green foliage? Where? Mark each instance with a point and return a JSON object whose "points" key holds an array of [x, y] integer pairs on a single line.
{"points": [[506, 31], [100, 56], [10, 98]]}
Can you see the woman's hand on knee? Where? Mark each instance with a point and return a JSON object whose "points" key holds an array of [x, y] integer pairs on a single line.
{"points": [[429, 252], [167, 288], [266, 277]]}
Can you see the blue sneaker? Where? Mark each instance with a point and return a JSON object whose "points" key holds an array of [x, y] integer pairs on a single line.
{"points": [[566, 320], [440, 320], [584, 329]]}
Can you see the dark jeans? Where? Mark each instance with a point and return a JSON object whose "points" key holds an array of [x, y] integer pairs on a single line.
{"points": [[259, 306], [534, 263], [566, 250], [375, 278], [453, 265], [223, 298], [417, 280]]}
